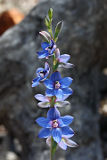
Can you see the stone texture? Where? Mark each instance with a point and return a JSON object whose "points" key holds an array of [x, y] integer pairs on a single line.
{"points": [[22, 5], [10, 18], [84, 37]]}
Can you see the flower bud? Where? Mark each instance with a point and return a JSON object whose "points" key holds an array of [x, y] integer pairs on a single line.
{"points": [[45, 35], [57, 53]]}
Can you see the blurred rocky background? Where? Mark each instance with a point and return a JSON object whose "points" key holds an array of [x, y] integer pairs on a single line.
{"points": [[84, 36], [22, 5], [13, 11]]}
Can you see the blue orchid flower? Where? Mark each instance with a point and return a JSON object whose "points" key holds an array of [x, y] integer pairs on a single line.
{"points": [[46, 101], [48, 49], [55, 125], [57, 86], [42, 74], [64, 143], [63, 59]]}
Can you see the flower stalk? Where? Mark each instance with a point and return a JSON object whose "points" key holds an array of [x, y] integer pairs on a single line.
{"points": [[51, 157], [56, 128], [51, 149]]}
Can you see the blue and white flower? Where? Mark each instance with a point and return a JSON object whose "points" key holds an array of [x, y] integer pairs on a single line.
{"points": [[42, 74], [64, 143], [57, 86], [47, 49], [63, 59], [55, 125], [46, 101]]}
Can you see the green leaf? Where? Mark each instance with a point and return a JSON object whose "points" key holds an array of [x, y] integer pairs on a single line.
{"points": [[47, 22], [57, 30], [54, 145], [50, 14]]}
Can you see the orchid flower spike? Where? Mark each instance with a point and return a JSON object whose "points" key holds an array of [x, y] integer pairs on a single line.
{"points": [[56, 128]]}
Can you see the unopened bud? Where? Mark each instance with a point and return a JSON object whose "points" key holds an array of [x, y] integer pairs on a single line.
{"points": [[45, 35], [57, 53]]}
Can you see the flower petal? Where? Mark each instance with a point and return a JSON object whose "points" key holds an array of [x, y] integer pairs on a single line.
{"points": [[41, 97], [52, 43], [66, 65], [64, 58], [52, 50], [57, 134], [57, 53], [65, 82], [70, 143], [62, 103], [45, 75], [63, 98], [47, 66], [44, 104], [60, 122], [36, 79], [67, 119], [68, 136], [56, 76], [62, 144], [48, 83], [44, 133], [43, 122], [48, 141], [42, 54], [50, 92], [53, 114], [58, 93], [44, 45], [39, 70], [35, 82], [64, 121], [67, 131], [67, 91]]}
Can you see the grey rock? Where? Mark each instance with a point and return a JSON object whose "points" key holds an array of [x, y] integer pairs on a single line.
{"points": [[84, 37]]}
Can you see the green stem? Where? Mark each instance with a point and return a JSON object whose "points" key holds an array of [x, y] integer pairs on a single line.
{"points": [[52, 105], [53, 98], [51, 157], [55, 64]]}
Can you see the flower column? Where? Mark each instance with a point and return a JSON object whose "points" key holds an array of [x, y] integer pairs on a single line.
{"points": [[56, 128]]}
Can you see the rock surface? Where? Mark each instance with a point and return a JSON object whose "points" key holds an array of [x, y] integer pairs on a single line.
{"points": [[10, 18], [22, 5], [84, 36]]}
